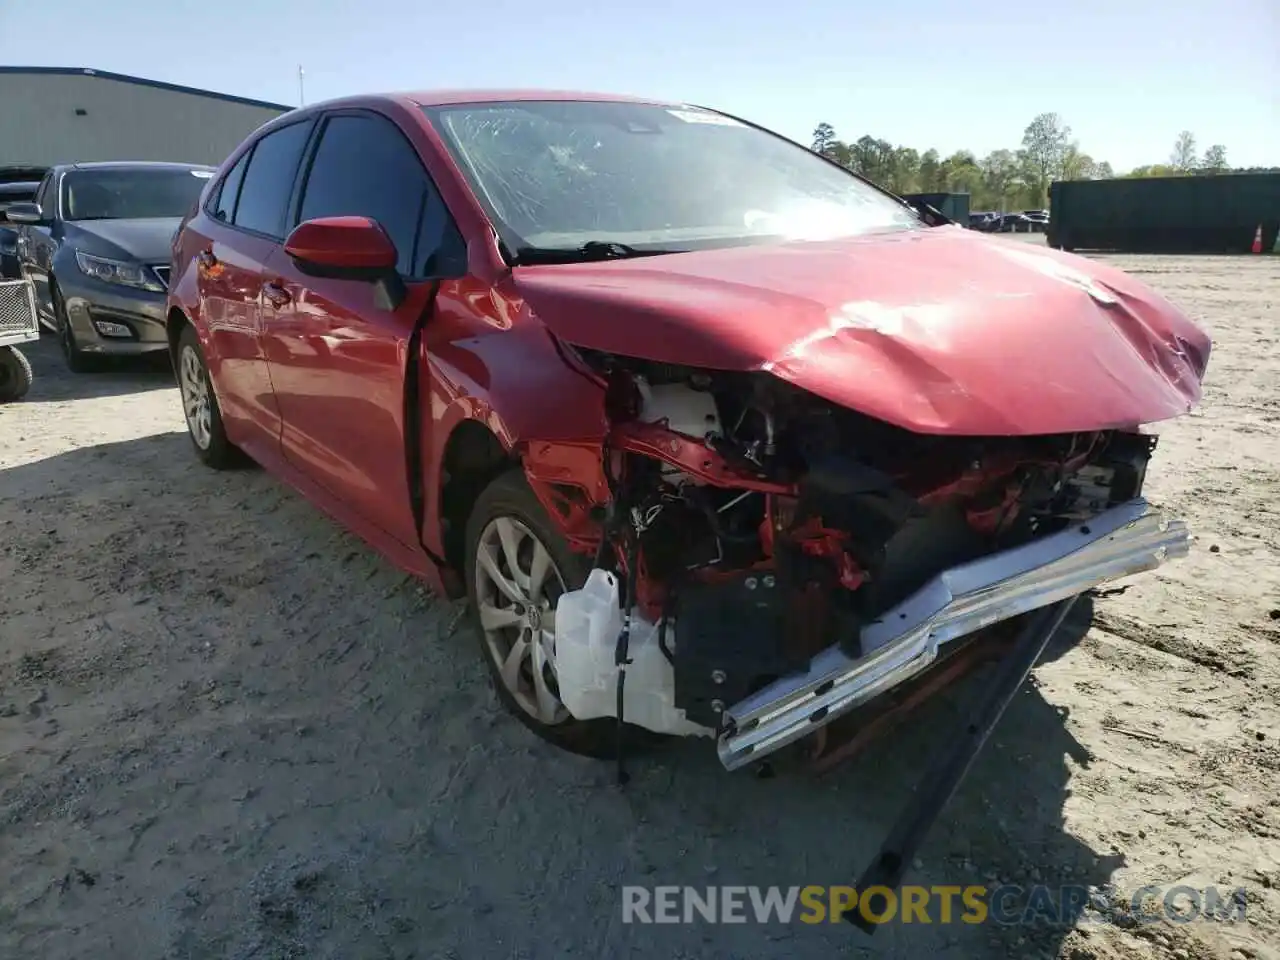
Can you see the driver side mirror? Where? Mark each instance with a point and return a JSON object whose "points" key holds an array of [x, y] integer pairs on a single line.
{"points": [[24, 212], [349, 248]]}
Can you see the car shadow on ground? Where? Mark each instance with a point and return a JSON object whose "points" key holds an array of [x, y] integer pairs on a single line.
{"points": [[251, 736], [117, 376]]}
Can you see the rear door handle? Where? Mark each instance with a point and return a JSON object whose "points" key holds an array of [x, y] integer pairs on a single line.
{"points": [[276, 295]]}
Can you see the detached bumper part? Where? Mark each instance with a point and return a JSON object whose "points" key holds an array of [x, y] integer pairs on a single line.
{"points": [[945, 774], [1126, 539]]}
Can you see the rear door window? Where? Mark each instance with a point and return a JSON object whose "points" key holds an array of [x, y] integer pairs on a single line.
{"points": [[268, 180], [224, 207]]}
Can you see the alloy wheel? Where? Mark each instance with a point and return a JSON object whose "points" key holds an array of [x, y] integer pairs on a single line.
{"points": [[66, 338], [517, 587], [195, 397]]}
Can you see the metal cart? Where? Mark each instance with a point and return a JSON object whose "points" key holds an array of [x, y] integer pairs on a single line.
{"points": [[17, 325]]}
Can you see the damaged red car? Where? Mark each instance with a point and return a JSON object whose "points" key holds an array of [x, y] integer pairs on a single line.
{"points": [[717, 438]]}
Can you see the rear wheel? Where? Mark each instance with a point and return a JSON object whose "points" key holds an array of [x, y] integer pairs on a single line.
{"points": [[200, 406], [517, 568], [15, 375], [77, 360]]}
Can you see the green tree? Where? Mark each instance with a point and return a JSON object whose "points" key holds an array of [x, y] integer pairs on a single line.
{"points": [[1215, 159], [906, 170], [842, 154], [930, 167], [960, 173], [872, 158], [1183, 159], [1003, 179], [824, 138], [1076, 165], [1044, 143], [1153, 170], [999, 174]]}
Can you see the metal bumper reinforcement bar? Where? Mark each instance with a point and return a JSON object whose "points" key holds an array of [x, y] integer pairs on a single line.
{"points": [[1123, 540]]}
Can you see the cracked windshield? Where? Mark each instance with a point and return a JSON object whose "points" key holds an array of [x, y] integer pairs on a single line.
{"points": [[558, 174]]}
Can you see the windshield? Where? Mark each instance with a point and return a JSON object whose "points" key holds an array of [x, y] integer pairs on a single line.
{"points": [[557, 175], [125, 194]]}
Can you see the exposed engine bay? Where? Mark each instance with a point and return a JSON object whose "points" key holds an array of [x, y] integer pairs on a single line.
{"points": [[753, 524]]}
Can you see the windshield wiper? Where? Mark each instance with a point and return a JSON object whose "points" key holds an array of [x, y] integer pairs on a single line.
{"points": [[589, 252]]}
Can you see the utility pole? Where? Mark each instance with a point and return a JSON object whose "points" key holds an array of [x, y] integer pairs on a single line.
{"points": [[302, 97]]}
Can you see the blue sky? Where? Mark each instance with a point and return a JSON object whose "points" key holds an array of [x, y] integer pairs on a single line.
{"points": [[1126, 75]]}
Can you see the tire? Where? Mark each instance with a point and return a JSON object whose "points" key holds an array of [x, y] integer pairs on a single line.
{"points": [[509, 503], [76, 359], [200, 406], [15, 375]]}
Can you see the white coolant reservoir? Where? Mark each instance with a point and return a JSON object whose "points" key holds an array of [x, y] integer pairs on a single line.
{"points": [[588, 622], [691, 412]]}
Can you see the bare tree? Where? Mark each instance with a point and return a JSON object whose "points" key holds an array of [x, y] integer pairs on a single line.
{"points": [[1183, 157]]}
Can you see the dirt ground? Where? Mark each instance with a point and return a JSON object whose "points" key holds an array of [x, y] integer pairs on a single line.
{"points": [[229, 730]]}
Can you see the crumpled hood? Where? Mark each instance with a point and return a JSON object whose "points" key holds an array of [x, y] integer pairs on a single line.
{"points": [[938, 330]]}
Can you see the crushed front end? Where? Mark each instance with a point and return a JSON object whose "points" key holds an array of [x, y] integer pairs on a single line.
{"points": [[798, 559]]}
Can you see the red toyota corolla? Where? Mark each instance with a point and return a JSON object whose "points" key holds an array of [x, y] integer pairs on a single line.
{"points": [[714, 434]]}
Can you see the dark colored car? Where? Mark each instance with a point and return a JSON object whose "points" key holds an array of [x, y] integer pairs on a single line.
{"points": [[95, 242], [1015, 223], [573, 355], [985, 221], [19, 191], [1039, 220]]}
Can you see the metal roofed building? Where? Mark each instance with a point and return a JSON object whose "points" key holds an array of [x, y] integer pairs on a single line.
{"points": [[54, 115]]}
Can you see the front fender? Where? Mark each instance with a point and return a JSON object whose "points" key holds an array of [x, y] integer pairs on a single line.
{"points": [[521, 388]]}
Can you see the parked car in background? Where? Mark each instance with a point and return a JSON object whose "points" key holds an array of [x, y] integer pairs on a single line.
{"points": [[11, 193], [1014, 223], [550, 350], [21, 174], [1039, 219], [16, 191], [985, 221], [95, 242]]}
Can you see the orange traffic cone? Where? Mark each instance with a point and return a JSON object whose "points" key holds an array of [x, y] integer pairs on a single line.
{"points": [[1257, 240]]}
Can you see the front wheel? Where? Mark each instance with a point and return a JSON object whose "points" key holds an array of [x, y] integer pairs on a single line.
{"points": [[15, 375], [200, 406], [77, 360], [517, 568]]}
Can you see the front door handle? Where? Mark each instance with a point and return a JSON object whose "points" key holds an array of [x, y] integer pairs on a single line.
{"points": [[276, 295]]}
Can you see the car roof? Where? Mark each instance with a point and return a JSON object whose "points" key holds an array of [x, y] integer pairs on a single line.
{"points": [[442, 98], [439, 98], [131, 165]]}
